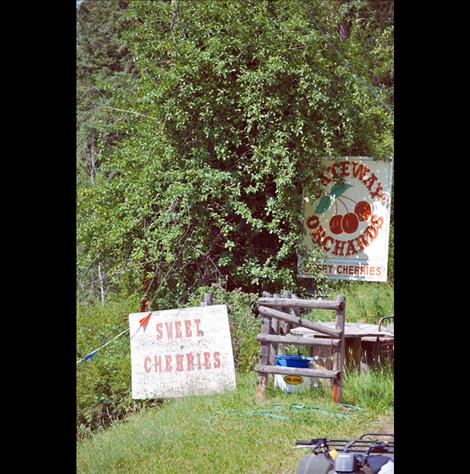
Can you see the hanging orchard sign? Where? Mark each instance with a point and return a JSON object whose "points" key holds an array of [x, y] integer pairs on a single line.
{"points": [[181, 352], [350, 220]]}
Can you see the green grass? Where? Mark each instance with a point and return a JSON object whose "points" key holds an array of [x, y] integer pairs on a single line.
{"points": [[201, 434], [372, 389], [366, 302]]}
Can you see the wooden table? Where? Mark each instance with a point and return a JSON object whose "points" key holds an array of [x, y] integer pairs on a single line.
{"points": [[361, 341]]}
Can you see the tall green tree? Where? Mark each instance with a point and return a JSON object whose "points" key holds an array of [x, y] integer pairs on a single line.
{"points": [[104, 65], [234, 105]]}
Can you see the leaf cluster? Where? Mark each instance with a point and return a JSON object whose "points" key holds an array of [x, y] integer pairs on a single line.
{"points": [[233, 105]]}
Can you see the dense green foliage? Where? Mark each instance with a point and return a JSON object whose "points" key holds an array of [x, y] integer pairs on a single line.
{"points": [[103, 383], [232, 107], [104, 65]]}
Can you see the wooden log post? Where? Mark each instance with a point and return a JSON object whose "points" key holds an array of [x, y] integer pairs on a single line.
{"points": [[273, 313], [338, 357], [273, 329], [262, 381], [284, 325], [300, 303], [277, 369], [207, 301], [294, 311], [297, 340]]}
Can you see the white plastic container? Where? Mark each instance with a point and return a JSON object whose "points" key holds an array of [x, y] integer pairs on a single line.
{"points": [[292, 383], [296, 383]]}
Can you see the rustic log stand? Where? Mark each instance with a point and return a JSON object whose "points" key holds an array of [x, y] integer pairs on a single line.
{"points": [[279, 314]]}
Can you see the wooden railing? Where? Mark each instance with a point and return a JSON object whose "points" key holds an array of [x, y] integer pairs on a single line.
{"points": [[279, 315]]}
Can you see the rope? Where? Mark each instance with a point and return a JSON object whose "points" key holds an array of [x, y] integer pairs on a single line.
{"points": [[93, 353]]}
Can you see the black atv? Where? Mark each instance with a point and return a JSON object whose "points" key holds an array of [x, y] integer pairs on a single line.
{"points": [[358, 456]]}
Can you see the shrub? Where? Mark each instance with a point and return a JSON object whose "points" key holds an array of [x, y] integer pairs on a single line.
{"points": [[103, 383], [221, 135]]}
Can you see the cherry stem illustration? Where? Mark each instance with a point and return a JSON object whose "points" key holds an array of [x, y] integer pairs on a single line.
{"points": [[347, 210], [355, 202]]}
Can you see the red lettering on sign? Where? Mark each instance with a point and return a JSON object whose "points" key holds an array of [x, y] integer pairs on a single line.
{"points": [[359, 170], [207, 358], [362, 241], [325, 180], [313, 222], [370, 181], [169, 330], [158, 363], [168, 363], [190, 361], [345, 168], [178, 329], [351, 249], [339, 247], [187, 326], [147, 361], [332, 168], [197, 322], [377, 221], [159, 331], [318, 235], [371, 232], [183, 362], [179, 362], [378, 192], [325, 243], [216, 360]]}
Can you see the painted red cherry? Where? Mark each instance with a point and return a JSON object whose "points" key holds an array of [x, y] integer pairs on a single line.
{"points": [[335, 224], [363, 210], [350, 222]]}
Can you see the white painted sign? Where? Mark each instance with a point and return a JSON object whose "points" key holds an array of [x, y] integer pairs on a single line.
{"points": [[350, 220], [181, 352]]}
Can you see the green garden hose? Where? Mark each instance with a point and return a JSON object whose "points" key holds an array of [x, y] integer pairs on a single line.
{"points": [[283, 407]]}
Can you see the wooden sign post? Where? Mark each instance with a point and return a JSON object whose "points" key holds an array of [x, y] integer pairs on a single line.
{"points": [[181, 352]]}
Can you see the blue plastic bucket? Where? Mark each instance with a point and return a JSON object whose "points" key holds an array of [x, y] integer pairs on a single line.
{"points": [[291, 360]]}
